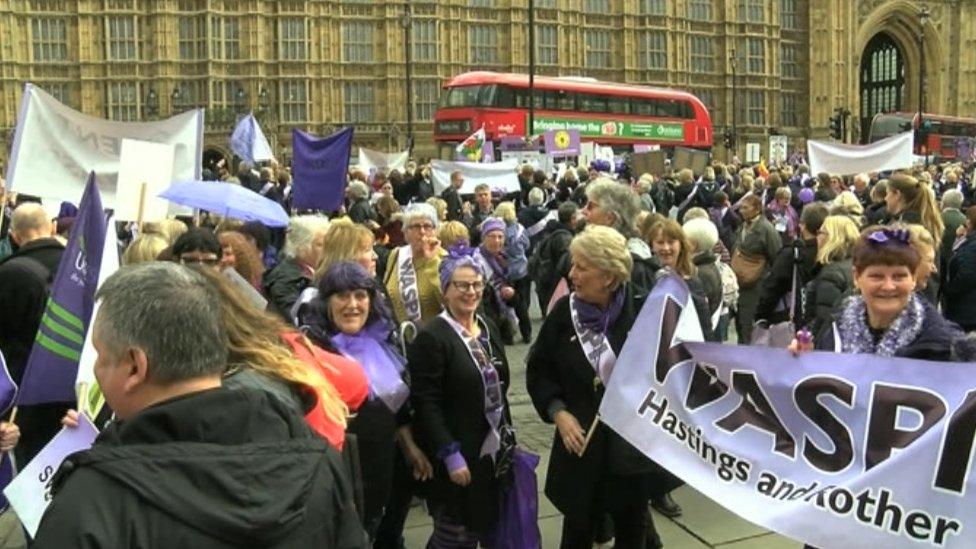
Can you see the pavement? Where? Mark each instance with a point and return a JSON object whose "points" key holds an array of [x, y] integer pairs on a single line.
{"points": [[704, 524]]}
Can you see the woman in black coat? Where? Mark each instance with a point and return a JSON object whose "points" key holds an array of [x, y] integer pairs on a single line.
{"points": [[592, 470], [459, 381]]}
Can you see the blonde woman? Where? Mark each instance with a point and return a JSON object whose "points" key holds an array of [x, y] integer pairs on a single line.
{"points": [[347, 241], [823, 294], [848, 204], [452, 233], [910, 201], [925, 283], [145, 248]]}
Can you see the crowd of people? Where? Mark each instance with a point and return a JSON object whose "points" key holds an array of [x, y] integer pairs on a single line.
{"points": [[299, 387]]}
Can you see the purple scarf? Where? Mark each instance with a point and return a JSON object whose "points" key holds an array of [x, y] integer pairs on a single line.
{"points": [[599, 320], [383, 366]]}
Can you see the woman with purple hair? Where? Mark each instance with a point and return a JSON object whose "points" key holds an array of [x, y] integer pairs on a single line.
{"points": [[501, 297], [460, 377], [350, 316]]}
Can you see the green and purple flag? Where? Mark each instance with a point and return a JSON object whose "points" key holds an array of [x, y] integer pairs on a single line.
{"points": [[53, 363], [320, 166]]}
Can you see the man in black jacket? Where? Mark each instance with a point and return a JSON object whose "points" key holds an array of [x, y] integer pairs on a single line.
{"points": [[189, 463], [25, 280], [455, 209], [551, 249]]}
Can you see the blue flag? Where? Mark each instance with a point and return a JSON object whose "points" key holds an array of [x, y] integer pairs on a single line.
{"points": [[53, 363], [248, 141], [320, 166]]}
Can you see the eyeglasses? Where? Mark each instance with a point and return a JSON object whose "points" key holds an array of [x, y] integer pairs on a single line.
{"points": [[468, 286], [210, 260], [421, 227]]}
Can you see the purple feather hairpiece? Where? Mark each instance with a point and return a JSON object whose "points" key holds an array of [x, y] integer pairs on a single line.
{"points": [[885, 236], [458, 255]]}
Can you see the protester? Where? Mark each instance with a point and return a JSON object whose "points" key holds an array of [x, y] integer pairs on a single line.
{"points": [[349, 316], [25, 280], [345, 241], [822, 295], [144, 248], [517, 265], [240, 254], [566, 377], [887, 318], [303, 249], [533, 216], [757, 244], [877, 211], [927, 280], [169, 471], [411, 278], [460, 378], [359, 208], [550, 250], [953, 218], [452, 197], [671, 247], [959, 289], [198, 247], [782, 215], [452, 233], [260, 236], [702, 236], [908, 201], [482, 209], [500, 297]]}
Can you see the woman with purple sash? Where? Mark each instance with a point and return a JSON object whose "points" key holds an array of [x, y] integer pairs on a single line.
{"points": [[461, 416], [350, 316], [500, 297]]}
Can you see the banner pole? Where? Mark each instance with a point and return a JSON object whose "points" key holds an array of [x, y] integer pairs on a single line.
{"points": [[13, 415], [142, 205], [3, 205]]}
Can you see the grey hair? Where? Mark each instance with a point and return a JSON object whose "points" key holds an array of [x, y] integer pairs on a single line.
{"points": [[29, 216], [419, 210], [617, 199], [536, 196], [168, 311], [702, 233], [952, 199], [357, 189], [301, 232]]}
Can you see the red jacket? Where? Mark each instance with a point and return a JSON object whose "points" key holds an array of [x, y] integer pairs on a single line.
{"points": [[345, 374]]}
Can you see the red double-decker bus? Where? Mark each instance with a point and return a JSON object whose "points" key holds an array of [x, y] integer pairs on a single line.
{"points": [[616, 115], [940, 134]]}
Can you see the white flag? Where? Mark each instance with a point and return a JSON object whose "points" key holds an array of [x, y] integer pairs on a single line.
{"points": [[893, 153], [55, 147]]}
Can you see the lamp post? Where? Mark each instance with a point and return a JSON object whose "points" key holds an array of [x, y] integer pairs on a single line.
{"points": [[733, 135], [531, 128], [405, 22], [152, 104], [923, 17]]}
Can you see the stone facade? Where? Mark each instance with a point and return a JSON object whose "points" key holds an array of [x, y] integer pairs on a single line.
{"points": [[321, 64]]}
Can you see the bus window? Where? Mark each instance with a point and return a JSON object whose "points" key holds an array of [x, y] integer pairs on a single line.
{"points": [[469, 96], [505, 97], [642, 107], [619, 105], [593, 103], [566, 101]]}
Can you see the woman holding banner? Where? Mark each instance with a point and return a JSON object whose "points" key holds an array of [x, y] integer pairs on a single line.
{"points": [[888, 318], [592, 470], [411, 278]]}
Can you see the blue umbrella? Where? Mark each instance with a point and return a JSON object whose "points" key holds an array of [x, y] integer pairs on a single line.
{"points": [[228, 200]]}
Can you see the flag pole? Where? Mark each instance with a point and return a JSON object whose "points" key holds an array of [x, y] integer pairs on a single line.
{"points": [[13, 415], [3, 205], [142, 205]]}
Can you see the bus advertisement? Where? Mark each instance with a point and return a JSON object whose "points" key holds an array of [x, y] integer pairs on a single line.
{"points": [[615, 115]]}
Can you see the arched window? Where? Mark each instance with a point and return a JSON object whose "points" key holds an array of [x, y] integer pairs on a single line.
{"points": [[882, 80]]}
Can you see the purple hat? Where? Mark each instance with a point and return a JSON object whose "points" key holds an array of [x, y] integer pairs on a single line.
{"points": [[492, 224], [806, 195], [459, 255]]}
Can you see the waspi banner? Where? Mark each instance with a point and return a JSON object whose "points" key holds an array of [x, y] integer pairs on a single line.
{"points": [[831, 449]]}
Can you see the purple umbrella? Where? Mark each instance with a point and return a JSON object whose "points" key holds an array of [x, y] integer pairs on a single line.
{"points": [[227, 199]]}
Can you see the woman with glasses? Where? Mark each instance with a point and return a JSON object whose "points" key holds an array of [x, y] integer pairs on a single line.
{"points": [[198, 247], [592, 470], [460, 376], [411, 278]]}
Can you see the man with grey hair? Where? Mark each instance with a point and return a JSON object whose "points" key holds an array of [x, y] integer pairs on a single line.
{"points": [[862, 189], [304, 243], [360, 211], [452, 195], [189, 463], [25, 280], [952, 218]]}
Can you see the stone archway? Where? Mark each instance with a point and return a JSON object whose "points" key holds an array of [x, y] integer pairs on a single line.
{"points": [[899, 20]]}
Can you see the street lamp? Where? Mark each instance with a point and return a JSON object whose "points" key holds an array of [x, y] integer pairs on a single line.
{"points": [[405, 22], [152, 104], [731, 140], [531, 129], [241, 99], [264, 100], [923, 17], [175, 98]]}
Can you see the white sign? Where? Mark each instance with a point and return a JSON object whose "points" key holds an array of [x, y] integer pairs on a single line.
{"points": [[370, 160], [144, 163], [753, 151], [55, 147], [893, 153], [538, 160], [498, 175], [777, 148], [30, 492]]}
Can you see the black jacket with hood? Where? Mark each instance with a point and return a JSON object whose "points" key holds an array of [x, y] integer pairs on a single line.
{"points": [[212, 469]]}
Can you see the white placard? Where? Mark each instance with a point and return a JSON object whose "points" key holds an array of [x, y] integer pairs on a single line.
{"points": [[30, 492], [143, 162], [498, 175], [777, 148], [753, 151]]}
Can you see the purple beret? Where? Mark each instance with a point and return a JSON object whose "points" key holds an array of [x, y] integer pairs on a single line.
{"points": [[492, 224], [806, 195]]}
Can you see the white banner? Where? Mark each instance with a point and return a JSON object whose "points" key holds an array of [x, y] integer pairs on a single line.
{"points": [[893, 153], [498, 175], [835, 450], [55, 147], [370, 160]]}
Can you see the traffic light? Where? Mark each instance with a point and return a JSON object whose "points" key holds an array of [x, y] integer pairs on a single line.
{"points": [[729, 139], [835, 126]]}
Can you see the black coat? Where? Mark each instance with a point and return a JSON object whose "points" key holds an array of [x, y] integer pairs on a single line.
{"points": [[960, 285], [361, 211], [557, 370], [823, 294], [775, 287], [212, 469], [710, 278], [282, 285], [448, 394], [454, 206]]}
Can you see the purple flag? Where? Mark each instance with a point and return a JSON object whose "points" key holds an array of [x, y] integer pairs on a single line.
{"points": [[562, 143], [8, 390], [248, 141], [320, 166], [53, 363]]}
